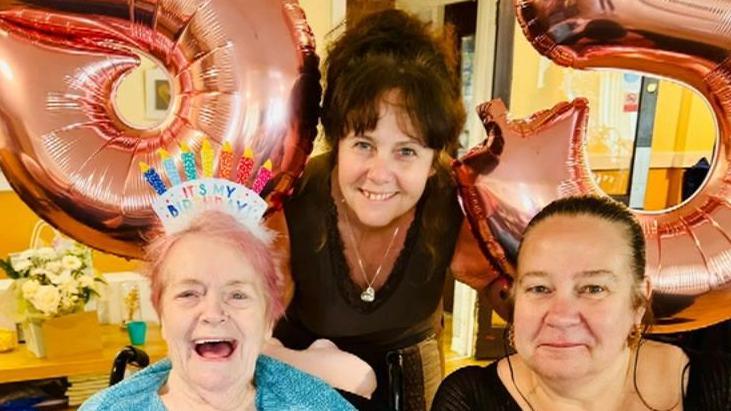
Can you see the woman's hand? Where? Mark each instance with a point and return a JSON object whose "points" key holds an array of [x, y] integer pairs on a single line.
{"points": [[325, 360]]}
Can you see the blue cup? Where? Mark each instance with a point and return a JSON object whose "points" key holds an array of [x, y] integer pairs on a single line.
{"points": [[137, 331]]}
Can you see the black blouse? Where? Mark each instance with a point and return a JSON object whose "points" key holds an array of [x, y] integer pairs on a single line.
{"points": [[326, 302], [480, 388]]}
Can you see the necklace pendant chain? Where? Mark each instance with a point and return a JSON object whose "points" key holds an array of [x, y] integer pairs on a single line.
{"points": [[369, 293]]}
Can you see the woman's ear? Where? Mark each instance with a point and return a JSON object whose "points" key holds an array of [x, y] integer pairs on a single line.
{"points": [[647, 288], [269, 331], [162, 330], [646, 293]]}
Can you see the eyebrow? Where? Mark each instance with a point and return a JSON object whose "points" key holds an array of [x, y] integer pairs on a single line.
{"points": [[412, 139], [597, 273], [192, 281], [580, 274], [188, 281], [538, 274]]}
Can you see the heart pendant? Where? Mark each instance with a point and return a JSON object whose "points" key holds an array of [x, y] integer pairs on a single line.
{"points": [[368, 295]]}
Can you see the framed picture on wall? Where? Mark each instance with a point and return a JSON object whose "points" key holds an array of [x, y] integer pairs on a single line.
{"points": [[157, 94]]}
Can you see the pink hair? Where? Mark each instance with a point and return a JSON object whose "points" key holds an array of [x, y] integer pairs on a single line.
{"points": [[217, 225]]}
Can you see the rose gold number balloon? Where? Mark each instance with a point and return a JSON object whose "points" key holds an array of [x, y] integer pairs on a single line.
{"points": [[522, 166], [242, 71], [689, 246]]}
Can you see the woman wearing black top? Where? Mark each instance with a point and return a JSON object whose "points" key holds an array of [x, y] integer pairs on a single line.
{"points": [[374, 223], [580, 304]]}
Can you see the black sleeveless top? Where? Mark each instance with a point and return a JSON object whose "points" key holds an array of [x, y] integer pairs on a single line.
{"points": [[327, 303], [480, 388]]}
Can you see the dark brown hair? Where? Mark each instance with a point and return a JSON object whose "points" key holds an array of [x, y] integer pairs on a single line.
{"points": [[393, 51]]}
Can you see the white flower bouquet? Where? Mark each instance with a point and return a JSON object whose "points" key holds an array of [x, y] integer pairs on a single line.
{"points": [[52, 281]]}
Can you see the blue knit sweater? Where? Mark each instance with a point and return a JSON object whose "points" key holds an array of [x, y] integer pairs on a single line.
{"points": [[278, 387]]}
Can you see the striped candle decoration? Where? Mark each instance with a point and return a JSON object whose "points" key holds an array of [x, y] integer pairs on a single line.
{"points": [[245, 167], [207, 158], [262, 177], [153, 178], [188, 159], [226, 161], [171, 169]]}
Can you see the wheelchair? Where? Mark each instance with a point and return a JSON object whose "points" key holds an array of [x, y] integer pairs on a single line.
{"points": [[128, 355]]}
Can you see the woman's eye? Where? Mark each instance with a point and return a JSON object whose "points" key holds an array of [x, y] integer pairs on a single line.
{"points": [[362, 145], [238, 295], [593, 289], [407, 152], [187, 294], [538, 289]]}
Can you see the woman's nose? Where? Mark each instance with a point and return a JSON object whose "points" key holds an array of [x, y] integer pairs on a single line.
{"points": [[562, 312], [379, 170], [213, 311]]}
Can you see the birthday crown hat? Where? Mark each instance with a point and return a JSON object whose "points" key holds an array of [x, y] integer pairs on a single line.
{"points": [[188, 195]]}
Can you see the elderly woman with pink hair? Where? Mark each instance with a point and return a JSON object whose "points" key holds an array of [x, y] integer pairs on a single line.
{"points": [[218, 295]]}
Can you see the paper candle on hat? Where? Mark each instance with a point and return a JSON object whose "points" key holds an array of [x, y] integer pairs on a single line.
{"points": [[153, 179], [188, 162], [225, 161], [171, 169], [207, 158], [246, 166], [263, 177]]}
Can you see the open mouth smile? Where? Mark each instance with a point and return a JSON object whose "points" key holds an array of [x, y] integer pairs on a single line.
{"points": [[215, 349]]}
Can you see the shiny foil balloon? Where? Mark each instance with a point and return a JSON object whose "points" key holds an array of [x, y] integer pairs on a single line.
{"points": [[689, 246], [521, 166], [242, 71]]}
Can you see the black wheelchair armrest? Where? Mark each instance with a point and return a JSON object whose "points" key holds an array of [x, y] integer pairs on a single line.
{"points": [[128, 355]]}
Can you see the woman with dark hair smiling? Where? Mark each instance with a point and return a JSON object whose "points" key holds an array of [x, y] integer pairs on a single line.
{"points": [[373, 224], [581, 302]]}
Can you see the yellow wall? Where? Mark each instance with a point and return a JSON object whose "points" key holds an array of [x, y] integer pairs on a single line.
{"points": [[18, 220]]}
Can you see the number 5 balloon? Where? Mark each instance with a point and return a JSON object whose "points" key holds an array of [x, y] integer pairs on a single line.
{"points": [[242, 71], [689, 246]]}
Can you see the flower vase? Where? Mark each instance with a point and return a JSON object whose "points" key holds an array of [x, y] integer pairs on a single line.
{"points": [[33, 335], [59, 337]]}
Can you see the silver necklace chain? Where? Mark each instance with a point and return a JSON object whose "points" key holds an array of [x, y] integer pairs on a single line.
{"points": [[369, 294]]}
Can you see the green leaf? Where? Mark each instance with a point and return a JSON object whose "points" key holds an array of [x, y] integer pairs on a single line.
{"points": [[5, 264]]}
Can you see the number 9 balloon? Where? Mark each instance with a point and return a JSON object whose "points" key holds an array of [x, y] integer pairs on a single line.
{"points": [[241, 71], [689, 246]]}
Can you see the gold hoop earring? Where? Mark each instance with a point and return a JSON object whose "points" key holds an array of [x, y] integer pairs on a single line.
{"points": [[634, 337], [511, 336]]}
